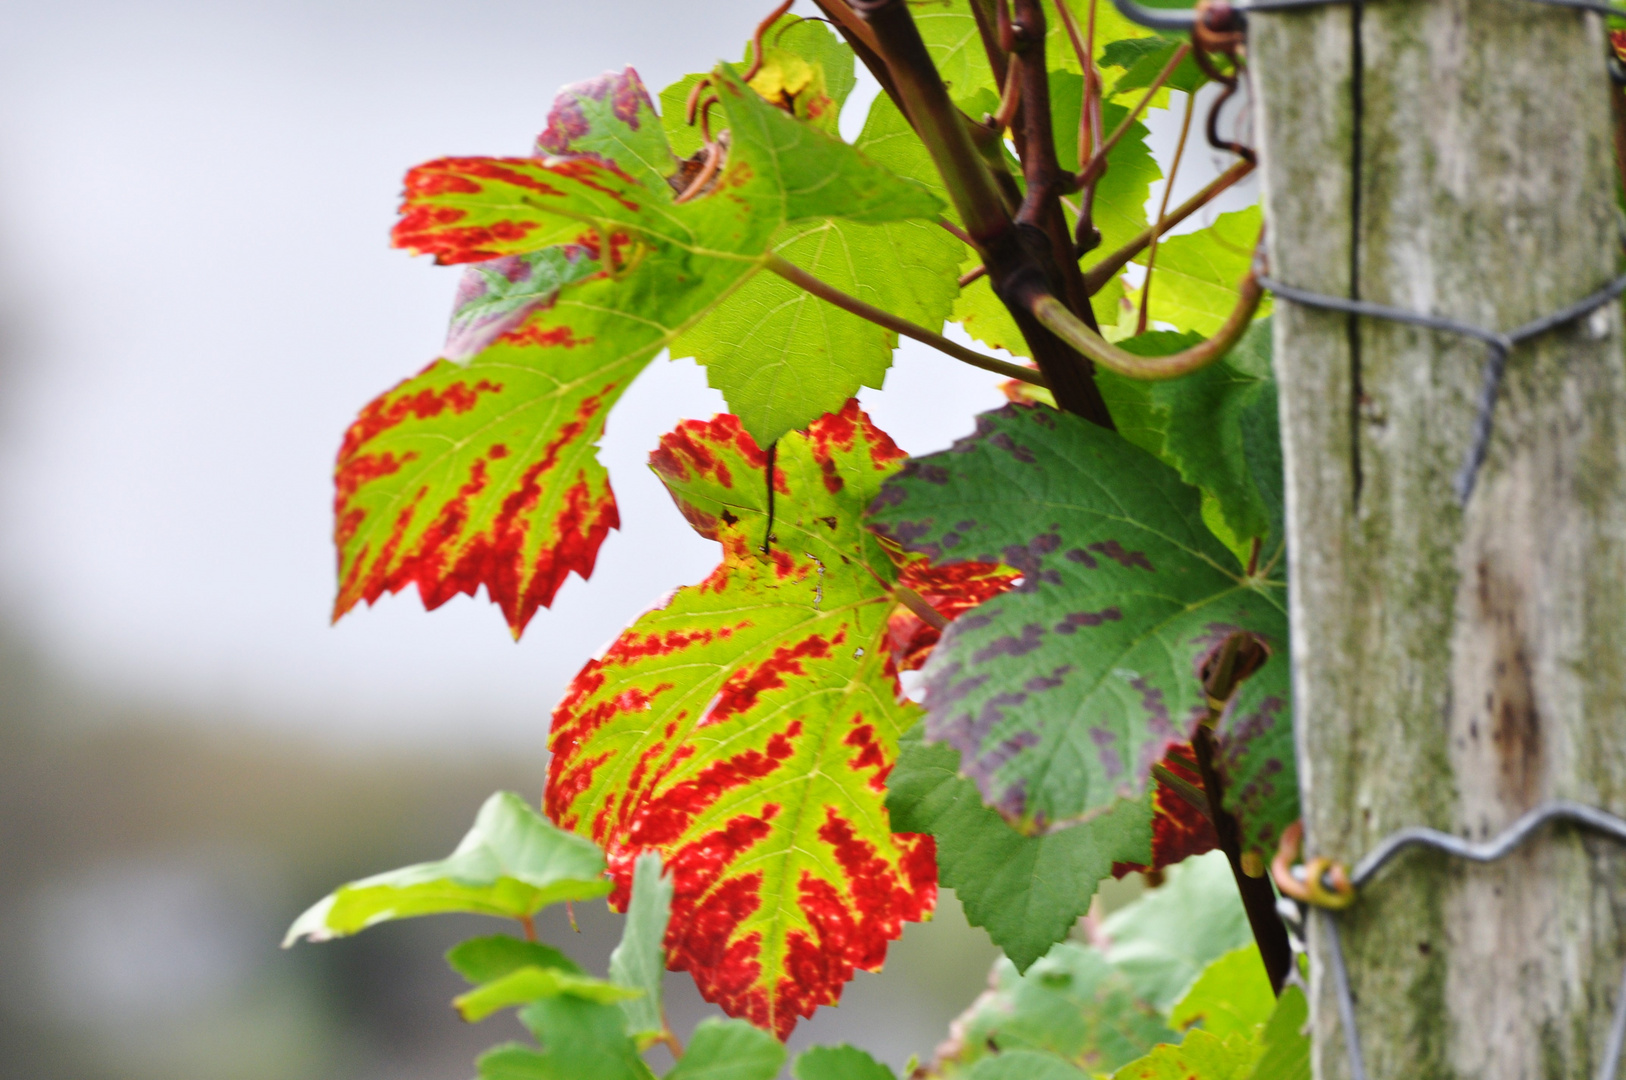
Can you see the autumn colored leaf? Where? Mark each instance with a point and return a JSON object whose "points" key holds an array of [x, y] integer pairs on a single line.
{"points": [[1061, 694], [481, 470], [745, 729]]}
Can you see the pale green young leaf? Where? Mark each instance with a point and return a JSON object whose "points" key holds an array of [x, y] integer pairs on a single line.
{"points": [[1073, 1003], [527, 984], [1026, 891], [484, 959], [581, 1040], [639, 961], [729, 1050], [1164, 940], [1231, 996], [513, 863], [1025, 1065], [1194, 284], [839, 1063], [1200, 1057], [1287, 1045]]}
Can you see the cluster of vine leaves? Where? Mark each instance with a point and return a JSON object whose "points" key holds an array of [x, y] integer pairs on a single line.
{"points": [[741, 771]]}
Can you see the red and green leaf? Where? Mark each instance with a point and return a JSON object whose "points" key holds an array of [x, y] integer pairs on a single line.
{"points": [[481, 470], [745, 729]]}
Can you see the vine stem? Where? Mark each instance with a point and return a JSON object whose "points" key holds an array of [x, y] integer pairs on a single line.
{"points": [[1162, 213], [1097, 276], [1054, 315], [527, 924], [1098, 163], [827, 292], [917, 604]]}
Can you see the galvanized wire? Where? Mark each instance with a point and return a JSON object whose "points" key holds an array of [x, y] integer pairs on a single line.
{"points": [[1183, 19], [1484, 852], [1500, 345]]}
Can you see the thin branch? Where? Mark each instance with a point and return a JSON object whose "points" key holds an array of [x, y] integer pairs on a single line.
{"points": [[957, 232], [935, 118], [1096, 278], [972, 275], [858, 35], [1098, 163], [1011, 97], [1065, 325], [756, 40], [1163, 212], [827, 292]]}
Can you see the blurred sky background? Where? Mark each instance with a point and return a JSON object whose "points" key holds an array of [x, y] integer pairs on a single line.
{"points": [[196, 296]]}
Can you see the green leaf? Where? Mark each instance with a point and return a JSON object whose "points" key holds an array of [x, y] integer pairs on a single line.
{"points": [[1231, 996], [1146, 57], [639, 961], [781, 356], [1024, 1065], [1257, 762], [745, 728], [839, 1063], [1073, 1003], [485, 959], [514, 862], [581, 1040], [1194, 285], [1287, 1046], [729, 1050], [1200, 1057], [1062, 693], [1026, 891], [484, 473], [527, 984], [1164, 940], [1217, 426]]}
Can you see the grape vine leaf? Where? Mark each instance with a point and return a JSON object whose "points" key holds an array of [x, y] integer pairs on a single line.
{"points": [[1256, 756], [1073, 1003], [1200, 1056], [1062, 693], [527, 984], [729, 1050], [581, 1040], [483, 472], [839, 1063], [1287, 1048], [1026, 891], [485, 959], [639, 961], [1164, 940], [512, 863], [1232, 995], [1025, 1065], [780, 355], [745, 729], [1196, 275]]}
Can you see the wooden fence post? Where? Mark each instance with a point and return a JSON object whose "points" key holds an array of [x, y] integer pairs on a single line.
{"points": [[1454, 666]]}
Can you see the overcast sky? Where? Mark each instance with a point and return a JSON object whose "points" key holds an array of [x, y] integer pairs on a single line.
{"points": [[196, 296]]}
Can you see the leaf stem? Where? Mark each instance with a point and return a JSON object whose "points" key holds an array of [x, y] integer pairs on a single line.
{"points": [[917, 604], [1065, 325], [1162, 213], [829, 293], [1258, 897], [1098, 163], [527, 924], [1096, 278]]}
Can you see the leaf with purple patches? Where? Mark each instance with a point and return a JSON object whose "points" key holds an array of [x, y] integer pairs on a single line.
{"points": [[1026, 891], [1256, 756], [1061, 694], [744, 730]]}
